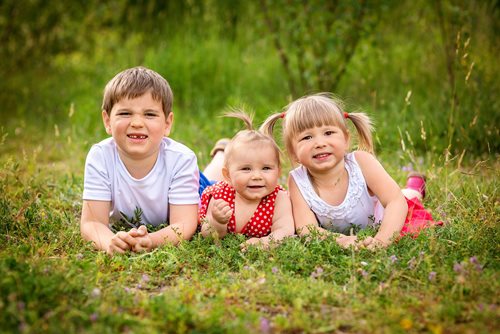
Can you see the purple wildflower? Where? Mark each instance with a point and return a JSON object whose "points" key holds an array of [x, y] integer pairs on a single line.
{"points": [[473, 260], [458, 268], [145, 278], [393, 258], [274, 270], [93, 317], [432, 276], [407, 168], [317, 272], [265, 326]]}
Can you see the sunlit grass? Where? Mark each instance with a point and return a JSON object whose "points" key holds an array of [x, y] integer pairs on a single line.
{"points": [[446, 280]]}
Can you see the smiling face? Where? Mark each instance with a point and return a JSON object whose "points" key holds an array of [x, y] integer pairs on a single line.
{"points": [[253, 170], [320, 148], [138, 126]]}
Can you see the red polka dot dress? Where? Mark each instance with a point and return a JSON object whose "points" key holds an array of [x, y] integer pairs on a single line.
{"points": [[258, 226]]}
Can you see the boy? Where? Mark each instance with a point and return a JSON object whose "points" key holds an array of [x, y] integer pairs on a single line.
{"points": [[139, 167]]}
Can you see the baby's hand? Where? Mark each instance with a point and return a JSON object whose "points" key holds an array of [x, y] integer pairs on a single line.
{"points": [[260, 242], [143, 242], [374, 243], [221, 211], [345, 241]]}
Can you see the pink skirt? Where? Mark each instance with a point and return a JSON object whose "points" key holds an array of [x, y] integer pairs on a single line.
{"points": [[417, 219]]}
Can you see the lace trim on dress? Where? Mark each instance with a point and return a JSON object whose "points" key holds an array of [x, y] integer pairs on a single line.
{"points": [[356, 187]]}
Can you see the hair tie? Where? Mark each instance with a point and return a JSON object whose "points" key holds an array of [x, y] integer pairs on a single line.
{"points": [[283, 114], [346, 115]]}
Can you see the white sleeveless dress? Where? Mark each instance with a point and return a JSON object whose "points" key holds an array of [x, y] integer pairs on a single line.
{"points": [[358, 210]]}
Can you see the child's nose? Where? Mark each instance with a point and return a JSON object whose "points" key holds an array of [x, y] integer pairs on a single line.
{"points": [[136, 121], [256, 174], [319, 142]]}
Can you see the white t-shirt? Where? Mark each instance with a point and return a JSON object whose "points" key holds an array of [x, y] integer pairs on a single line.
{"points": [[174, 179], [358, 210]]}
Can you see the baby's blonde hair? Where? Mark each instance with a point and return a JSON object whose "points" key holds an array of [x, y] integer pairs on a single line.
{"points": [[318, 110], [248, 136]]}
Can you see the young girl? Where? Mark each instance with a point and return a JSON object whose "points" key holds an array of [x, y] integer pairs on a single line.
{"points": [[343, 191], [249, 200]]}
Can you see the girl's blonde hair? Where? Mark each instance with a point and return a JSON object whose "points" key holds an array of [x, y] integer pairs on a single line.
{"points": [[248, 136], [318, 110]]}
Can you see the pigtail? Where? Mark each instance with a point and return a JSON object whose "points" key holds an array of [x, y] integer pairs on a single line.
{"points": [[241, 115], [364, 127], [267, 127]]}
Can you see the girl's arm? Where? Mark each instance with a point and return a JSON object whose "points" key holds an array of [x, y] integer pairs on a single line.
{"points": [[218, 214], [382, 185], [305, 220], [94, 227]]}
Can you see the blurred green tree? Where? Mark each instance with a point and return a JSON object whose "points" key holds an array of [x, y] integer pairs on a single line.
{"points": [[316, 40]]}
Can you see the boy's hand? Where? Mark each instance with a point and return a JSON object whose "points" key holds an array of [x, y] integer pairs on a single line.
{"points": [[221, 211], [143, 242], [345, 241], [120, 243]]}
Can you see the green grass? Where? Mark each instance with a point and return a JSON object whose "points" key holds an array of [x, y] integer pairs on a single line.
{"points": [[445, 281]]}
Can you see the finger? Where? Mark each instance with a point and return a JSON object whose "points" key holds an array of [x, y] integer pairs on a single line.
{"points": [[127, 238], [133, 232], [143, 230], [112, 249], [367, 241], [118, 240]]}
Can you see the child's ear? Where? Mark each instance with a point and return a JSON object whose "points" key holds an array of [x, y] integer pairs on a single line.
{"points": [[106, 121], [225, 174], [168, 123]]}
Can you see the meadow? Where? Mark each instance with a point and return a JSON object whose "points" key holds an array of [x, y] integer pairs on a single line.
{"points": [[429, 117]]}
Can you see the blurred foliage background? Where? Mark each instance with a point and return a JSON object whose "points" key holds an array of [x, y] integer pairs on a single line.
{"points": [[426, 71]]}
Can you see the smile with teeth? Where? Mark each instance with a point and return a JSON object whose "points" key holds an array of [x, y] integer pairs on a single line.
{"points": [[137, 136], [321, 155]]}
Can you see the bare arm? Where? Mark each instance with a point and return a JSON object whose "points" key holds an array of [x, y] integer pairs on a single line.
{"points": [[283, 223], [305, 220], [183, 223], [382, 185], [94, 227]]}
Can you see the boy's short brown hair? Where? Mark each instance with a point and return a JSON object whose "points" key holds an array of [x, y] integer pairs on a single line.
{"points": [[134, 82]]}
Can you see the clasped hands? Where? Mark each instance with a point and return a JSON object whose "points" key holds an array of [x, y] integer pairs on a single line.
{"points": [[136, 240]]}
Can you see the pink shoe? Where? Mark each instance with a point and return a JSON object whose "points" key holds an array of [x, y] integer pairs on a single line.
{"points": [[416, 181]]}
